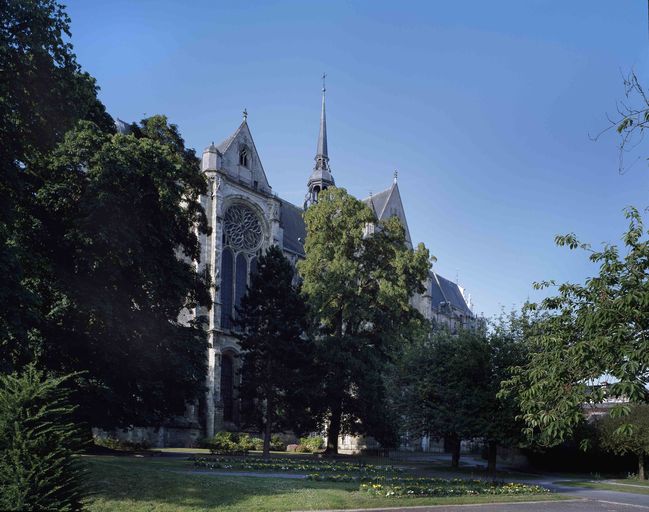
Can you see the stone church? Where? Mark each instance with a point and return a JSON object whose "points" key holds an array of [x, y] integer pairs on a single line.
{"points": [[246, 217]]}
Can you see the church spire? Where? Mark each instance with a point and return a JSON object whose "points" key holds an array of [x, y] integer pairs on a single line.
{"points": [[321, 157], [321, 177]]}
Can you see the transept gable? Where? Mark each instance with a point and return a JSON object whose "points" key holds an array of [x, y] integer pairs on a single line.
{"points": [[241, 161]]}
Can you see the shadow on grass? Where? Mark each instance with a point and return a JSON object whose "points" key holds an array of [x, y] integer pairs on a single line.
{"points": [[134, 484]]}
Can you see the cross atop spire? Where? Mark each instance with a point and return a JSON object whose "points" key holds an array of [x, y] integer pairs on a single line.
{"points": [[245, 114], [321, 157]]}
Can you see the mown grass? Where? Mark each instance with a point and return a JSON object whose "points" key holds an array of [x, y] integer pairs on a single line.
{"points": [[629, 486], [164, 485]]}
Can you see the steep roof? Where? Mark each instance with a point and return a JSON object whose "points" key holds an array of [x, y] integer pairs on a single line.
{"points": [[292, 222], [390, 197], [444, 290]]}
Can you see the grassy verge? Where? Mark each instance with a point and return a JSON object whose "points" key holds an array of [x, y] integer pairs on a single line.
{"points": [[161, 484], [623, 486]]}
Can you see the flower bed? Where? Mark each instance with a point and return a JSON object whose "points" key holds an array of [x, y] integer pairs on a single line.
{"points": [[287, 464], [398, 487]]}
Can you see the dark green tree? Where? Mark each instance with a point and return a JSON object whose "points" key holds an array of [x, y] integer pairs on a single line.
{"points": [[502, 425], [278, 365], [444, 387], [43, 92], [358, 282], [627, 434], [38, 442], [591, 342], [111, 227]]}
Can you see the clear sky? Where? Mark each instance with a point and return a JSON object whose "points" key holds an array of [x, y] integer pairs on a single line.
{"points": [[485, 109]]}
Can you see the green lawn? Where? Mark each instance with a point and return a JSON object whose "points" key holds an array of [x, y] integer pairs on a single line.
{"points": [[632, 486], [158, 484]]}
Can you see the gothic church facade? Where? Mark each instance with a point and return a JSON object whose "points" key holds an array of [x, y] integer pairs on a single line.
{"points": [[246, 217]]}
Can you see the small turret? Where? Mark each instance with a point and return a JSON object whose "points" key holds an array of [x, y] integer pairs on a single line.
{"points": [[211, 158]]}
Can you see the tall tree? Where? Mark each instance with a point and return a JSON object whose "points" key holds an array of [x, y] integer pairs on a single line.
{"points": [[277, 359], [111, 227], [592, 341], [358, 282], [43, 92]]}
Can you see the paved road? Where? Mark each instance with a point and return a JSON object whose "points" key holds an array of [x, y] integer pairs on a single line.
{"points": [[577, 505]]}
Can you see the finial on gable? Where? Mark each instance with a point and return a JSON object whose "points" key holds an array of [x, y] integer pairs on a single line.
{"points": [[245, 114], [396, 174]]}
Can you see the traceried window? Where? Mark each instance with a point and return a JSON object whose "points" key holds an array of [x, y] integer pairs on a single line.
{"points": [[244, 156], [242, 239]]}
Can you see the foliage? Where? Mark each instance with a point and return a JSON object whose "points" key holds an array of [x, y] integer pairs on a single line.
{"points": [[120, 445], [444, 386], [627, 434], [358, 285], [92, 225], [271, 321], [311, 444], [43, 92], [301, 464], [277, 444], [445, 487], [38, 441], [630, 121], [590, 341]]}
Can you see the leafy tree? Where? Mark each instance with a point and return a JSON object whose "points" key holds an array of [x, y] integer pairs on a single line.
{"points": [[507, 350], [38, 441], [43, 92], [276, 365], [591, 342], [111, 227], [443, 387], [628, 434], [358, 286]]}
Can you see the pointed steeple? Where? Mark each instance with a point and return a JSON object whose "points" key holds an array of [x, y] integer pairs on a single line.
{"points": [[321, 157], [321, 177]]}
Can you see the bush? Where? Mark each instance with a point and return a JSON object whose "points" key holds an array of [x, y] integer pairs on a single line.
{"points": [[38, 441], [258, 443], [277, 444], [311, 444], [120, 445]]}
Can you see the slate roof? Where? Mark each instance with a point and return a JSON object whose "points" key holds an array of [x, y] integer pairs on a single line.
{"points": [[443, 290], [291, 221], [378, 201]]}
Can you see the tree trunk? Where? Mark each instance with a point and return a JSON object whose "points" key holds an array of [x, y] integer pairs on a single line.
{"points": [[492, 452], [268, 428], [641, 471], [334, 429], [455, 443]]}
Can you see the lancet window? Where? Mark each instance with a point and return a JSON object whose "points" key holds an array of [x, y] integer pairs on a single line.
{"points": [[242, 239]]}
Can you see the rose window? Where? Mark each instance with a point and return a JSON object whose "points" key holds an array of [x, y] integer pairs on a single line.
{"points": [[242, 228]]}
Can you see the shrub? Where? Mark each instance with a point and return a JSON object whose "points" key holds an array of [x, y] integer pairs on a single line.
{"points": [[311, 444], [245, 442], [38, 441], [277, 444], [120, 445], [258, 443]]}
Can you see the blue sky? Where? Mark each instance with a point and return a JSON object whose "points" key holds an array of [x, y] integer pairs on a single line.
{"points": [[485, 109]]}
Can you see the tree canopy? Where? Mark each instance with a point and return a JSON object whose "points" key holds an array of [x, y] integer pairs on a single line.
{"points": [[591, 340], [277, 358], [358, 277]]}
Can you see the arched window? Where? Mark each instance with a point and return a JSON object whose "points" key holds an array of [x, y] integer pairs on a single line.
{"points": [[243, 156], [242, 239], [227, 386], [241, 280], [226, 288]]}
